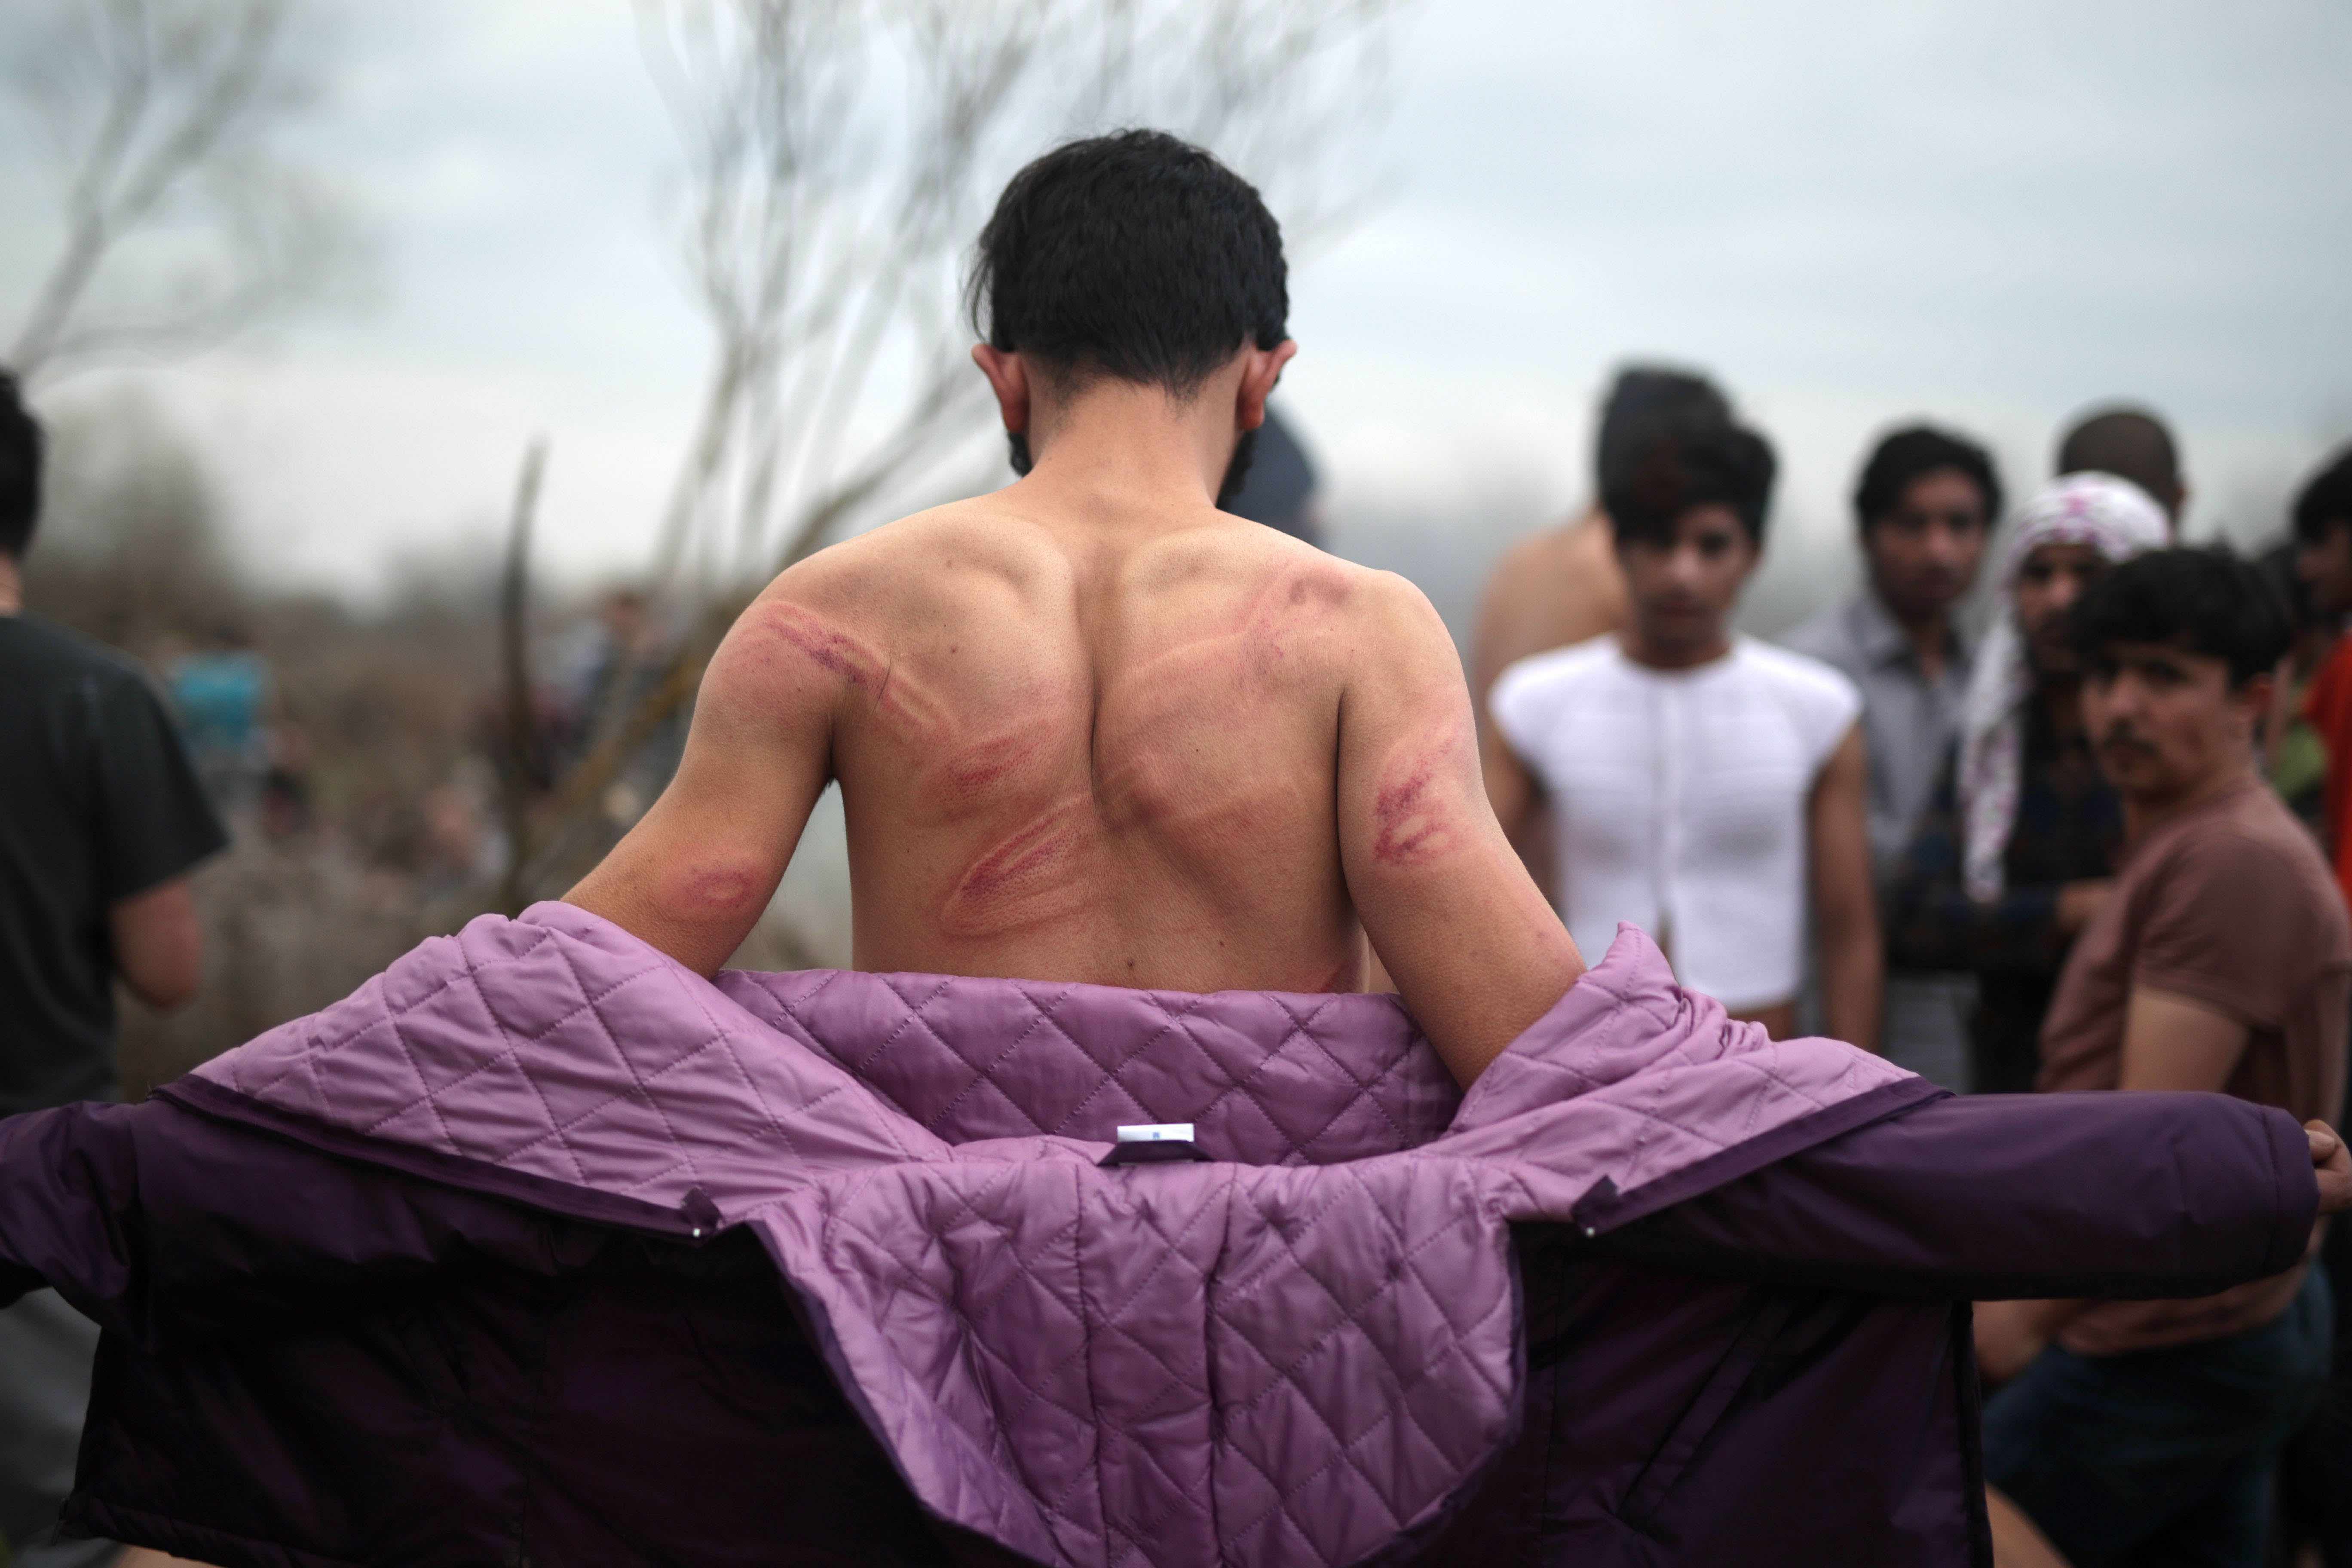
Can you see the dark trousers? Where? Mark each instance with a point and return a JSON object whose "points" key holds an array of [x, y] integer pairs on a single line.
{"points": [[2166, 1457]]}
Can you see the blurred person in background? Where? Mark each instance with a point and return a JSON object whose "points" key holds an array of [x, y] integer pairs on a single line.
{"points": [[2129, 443], [101, 819], [1924, 506], [222, 694], [2318, 1476], [1700, 785], [2294, 757], [622, 660], [1563, 585], [2323, 537], [2144, 1431], [1278, 487], [2017, 844]]}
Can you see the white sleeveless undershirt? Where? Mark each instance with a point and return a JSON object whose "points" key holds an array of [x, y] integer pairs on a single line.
{"points": [[1678, 799]]}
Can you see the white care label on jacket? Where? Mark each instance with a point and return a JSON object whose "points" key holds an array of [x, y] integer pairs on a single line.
{"points": [[1157, 1132]]}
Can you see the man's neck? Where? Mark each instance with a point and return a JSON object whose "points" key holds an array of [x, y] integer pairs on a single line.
{"points": [[12, 586], [1661, 653], [1930, 635], [2144, 815], [1120, 450]]}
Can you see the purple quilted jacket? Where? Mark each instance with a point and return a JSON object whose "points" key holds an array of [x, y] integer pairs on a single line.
{"points": [[540, 1248]]}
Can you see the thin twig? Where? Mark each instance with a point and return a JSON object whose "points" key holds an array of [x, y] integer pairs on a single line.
{"points": [[522, 718]]}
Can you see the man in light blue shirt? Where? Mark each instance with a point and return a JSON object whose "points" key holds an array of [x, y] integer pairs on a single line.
{"points": [[1924, 505]]}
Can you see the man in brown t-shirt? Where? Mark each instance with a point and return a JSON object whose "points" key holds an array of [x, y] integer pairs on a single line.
{"points": [[2222, 961]]}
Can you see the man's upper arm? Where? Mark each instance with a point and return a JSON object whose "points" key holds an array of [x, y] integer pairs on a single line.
{"points": [[2219, 942], [2177, 1042], [154, 820], [158, 944], [1475, 952], [694, 874], [1838, 833]]}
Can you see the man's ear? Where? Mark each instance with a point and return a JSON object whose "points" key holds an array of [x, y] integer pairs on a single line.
{"points": [[1261, 370], [1008, 377], [2253, 698]]}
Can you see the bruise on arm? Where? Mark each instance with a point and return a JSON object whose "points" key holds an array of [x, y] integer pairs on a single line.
{"points": [[696, 873], [1474, 948]]}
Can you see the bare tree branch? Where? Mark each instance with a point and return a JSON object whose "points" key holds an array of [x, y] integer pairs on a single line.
{"points": [[189, 96], [516, 778]]}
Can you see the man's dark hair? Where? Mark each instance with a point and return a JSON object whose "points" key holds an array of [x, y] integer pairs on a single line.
{"points": [[2129, 443], [1700, 465], [1135, 256], [1911, 454], [1643, 403], [2325, 501], [2204, 599], [21, 447]]}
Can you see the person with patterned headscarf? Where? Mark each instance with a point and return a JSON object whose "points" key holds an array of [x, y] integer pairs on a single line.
{"points": [[2014, 856]]}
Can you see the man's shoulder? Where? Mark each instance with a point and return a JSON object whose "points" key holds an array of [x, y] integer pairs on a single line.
{"points": [[1827, 637], [38, 650], [1803, 676], [2249, 854], [1552, 589], [1559, 674]]}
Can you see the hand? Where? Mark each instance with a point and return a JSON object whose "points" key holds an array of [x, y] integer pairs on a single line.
{"points": [[2331, 1162], [2079, 903], [2009, 1335]]}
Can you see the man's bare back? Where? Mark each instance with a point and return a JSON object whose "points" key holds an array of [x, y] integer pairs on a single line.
{"points": [[1111, 758], [1090, 735], [1090, 728]]}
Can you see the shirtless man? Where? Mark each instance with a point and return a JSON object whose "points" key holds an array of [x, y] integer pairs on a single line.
{"points": [[1090, 728]]}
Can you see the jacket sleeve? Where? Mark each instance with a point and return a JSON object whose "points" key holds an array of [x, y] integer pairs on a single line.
{"points": [[2107, 1194], [151, 1219]]}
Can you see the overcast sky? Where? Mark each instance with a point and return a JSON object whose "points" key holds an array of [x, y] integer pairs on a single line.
{"points": [[1991, 211]]}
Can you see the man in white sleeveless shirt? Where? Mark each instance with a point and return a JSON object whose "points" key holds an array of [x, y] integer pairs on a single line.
{"points": [[1702, 785]]}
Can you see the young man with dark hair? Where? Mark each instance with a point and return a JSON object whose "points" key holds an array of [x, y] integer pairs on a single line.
{"points": [[1704, 786], [2224, 962], [100, 820], [2323, 537], [1924, 505], [1562, 585]]}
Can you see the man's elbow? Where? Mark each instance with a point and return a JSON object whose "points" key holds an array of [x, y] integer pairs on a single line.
{"points": [[168, 984], [159, 950]]}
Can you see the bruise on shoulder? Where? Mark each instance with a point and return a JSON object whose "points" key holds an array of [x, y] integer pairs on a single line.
{"points": [[777, 635], [1420, 813]]}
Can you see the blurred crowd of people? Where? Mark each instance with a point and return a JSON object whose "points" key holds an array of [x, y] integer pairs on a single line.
{"points": [[2102, 842]]}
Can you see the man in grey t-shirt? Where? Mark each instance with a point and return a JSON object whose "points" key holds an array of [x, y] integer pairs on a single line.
{"points": [[1924, 505]]}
